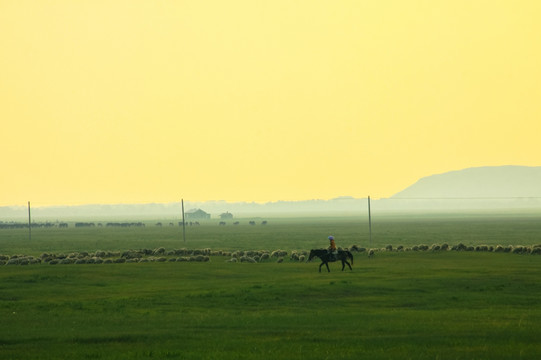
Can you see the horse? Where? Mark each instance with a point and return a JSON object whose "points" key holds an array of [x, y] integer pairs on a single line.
{"points": [[326, 258]]}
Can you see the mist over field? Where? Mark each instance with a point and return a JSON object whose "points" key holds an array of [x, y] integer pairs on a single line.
{"points": [[503, 188], [173, 210]]}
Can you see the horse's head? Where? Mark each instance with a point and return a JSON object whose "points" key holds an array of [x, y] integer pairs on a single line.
{"points": [[311, 256]]}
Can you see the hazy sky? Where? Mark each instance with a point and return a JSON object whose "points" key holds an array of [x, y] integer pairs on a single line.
{"points": [[153, 101]]}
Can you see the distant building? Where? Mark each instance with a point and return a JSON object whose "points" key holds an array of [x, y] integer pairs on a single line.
{"points": [[196, 214], [226, 215]]}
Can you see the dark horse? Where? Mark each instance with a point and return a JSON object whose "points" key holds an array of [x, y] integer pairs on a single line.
{"points": [[326, 258]]}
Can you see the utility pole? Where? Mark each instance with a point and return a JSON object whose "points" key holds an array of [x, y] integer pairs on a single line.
{"points": [[29, 224], [369, 222], [183, 222]]}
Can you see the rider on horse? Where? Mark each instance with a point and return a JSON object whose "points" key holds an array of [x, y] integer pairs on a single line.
{"points": [[332, 247]]}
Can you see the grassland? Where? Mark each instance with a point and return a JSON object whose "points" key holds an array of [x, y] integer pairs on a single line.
{"points": [[287, 234], [399, 305]]}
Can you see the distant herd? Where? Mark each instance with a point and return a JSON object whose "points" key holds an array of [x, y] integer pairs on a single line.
{"points": [[22, 225]]}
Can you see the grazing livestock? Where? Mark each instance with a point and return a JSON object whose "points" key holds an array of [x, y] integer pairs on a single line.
{"points": [[84, 224], [278, 253], [125, 224]]}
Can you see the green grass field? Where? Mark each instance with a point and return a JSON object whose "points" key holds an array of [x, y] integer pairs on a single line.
{"points": [[398, 305], [288, 234]]}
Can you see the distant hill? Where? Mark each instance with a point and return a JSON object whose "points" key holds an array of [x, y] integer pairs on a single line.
{"points": [[340, 205], [478, 182], [498, 187]]}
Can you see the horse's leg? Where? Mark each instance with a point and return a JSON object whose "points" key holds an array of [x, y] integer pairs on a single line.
{"points": [[329, 270], [344, 262], [320, 265]]}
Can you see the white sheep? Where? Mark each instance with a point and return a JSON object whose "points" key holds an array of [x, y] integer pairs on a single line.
{"points": [[159, 251], [279, 253], [13, 261], [354, 248]]}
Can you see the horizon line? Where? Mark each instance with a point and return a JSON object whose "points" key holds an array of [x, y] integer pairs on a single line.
{"points": [[190, 201], [278, 201]]}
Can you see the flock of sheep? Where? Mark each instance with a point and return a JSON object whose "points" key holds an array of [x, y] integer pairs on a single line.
{"points": [[515, 249], [149, 255], [250, 256]]}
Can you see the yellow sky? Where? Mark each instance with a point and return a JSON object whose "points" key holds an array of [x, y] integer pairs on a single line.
{"points": [[153, 101]]}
